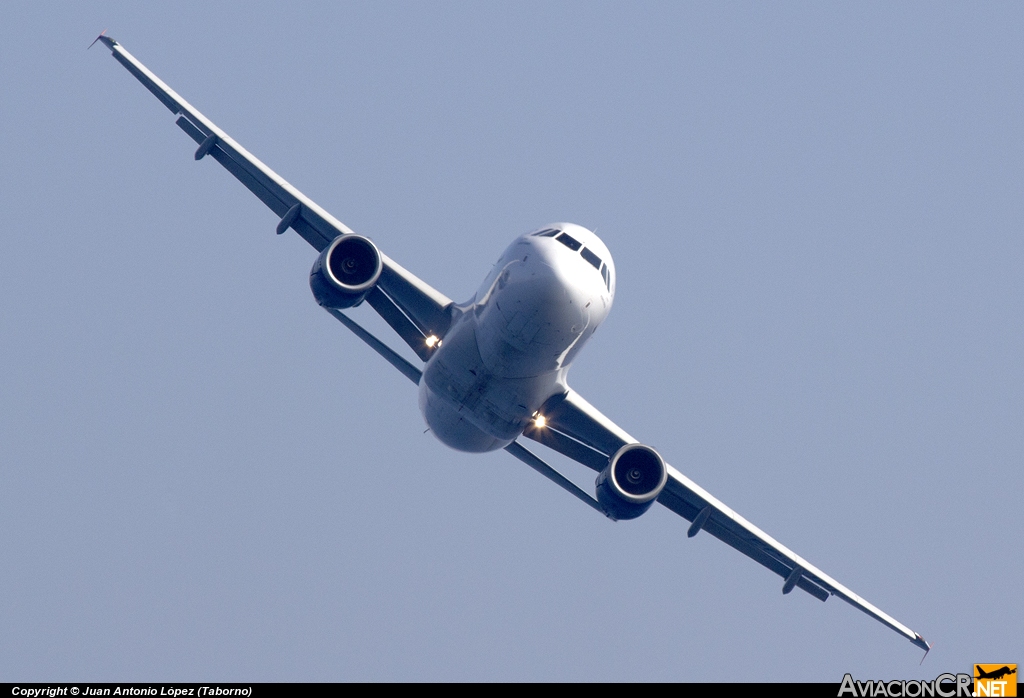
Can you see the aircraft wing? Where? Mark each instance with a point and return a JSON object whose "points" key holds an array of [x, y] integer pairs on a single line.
{"points": [[411, 306], [578, 430]]}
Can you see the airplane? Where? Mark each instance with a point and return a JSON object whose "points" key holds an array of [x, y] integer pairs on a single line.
{"points": [[494, 368]]}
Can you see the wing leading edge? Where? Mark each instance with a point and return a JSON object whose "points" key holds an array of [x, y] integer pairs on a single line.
{"points": [[578, 430], [411, 306]]}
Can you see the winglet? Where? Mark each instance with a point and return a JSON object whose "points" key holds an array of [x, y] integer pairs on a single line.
{"points": [[920, 642], [107, 41]]}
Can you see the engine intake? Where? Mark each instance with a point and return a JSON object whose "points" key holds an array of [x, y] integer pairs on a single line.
{"points": [[345, 272], [635, 476]]}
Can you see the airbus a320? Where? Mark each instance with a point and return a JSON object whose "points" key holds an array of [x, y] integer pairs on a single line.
{"points": [[494, 368]]}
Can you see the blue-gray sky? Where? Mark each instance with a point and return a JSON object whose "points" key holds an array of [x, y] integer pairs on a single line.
{"points": [[816, 214]]}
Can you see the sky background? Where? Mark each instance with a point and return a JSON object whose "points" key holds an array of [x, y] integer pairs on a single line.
{"points": [[816, 215]]}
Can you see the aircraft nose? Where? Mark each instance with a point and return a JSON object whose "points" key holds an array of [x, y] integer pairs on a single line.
{"points": [[546, 294]]}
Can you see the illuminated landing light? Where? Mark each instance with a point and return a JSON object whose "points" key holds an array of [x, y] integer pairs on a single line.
{"points": [[433, 341], [539, 421]]}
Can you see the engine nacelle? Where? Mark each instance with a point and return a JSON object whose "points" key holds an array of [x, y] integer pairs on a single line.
{"points": [[345, 272], [634, 478]]}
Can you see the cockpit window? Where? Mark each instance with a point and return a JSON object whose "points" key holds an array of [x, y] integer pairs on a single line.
{"points": [[594, 260], [607, 276], [546, 233], [569, 241]]}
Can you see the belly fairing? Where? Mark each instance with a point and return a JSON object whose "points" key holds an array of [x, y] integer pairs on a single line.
{"points": [[450, 425], [469, 408]]}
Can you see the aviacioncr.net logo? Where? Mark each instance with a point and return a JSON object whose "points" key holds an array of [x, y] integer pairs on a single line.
{"points": [[942, 686]]}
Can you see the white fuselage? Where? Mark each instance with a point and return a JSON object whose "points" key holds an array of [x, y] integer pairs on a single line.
{"points": [[510, 347]]}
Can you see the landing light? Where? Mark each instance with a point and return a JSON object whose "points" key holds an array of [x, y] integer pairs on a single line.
{"points": [[433, 341], [539, 421]]}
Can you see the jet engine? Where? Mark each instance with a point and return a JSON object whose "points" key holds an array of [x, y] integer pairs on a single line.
{"points": [[345, 272], [634, 478]]}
